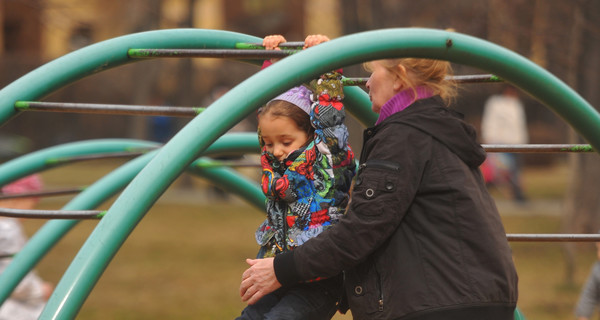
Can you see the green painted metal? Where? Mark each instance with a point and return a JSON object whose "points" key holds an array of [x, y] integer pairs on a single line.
{"points": [[358, 104], [105, 55], [36, 161], [459, 79], [22, 105], [113, 53], [51, 214], [121, 109], [374, 45], [581, 148], [209, 53], [43, 241], [151, 182], [519, 315]]}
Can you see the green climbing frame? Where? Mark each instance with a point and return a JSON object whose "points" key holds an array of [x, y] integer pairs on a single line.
{"points": [[145, 178]]}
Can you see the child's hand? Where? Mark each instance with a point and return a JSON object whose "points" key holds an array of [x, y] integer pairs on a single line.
{"points": [[314, 39], [272, 43]]}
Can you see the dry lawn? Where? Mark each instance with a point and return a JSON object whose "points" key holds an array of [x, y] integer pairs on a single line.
{"points": [[185, 259]]}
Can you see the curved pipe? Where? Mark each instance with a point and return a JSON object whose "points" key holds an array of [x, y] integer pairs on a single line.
{"points": [[103, 56], [37, 161], [150, 183], [47, 236], [113, 53]]}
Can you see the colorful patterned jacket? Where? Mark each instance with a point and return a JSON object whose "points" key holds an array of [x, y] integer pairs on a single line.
{"points": [[309, 191]]}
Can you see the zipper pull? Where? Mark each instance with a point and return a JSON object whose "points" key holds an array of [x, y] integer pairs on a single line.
{"points": [[380, 304]]}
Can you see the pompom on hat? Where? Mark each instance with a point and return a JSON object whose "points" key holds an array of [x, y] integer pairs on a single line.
{"points": [[298, 96]]}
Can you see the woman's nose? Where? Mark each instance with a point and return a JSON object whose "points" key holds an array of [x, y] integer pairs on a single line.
{"points": [[368, 84]]}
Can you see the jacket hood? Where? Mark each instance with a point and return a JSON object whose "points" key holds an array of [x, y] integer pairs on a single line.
{"points": [[445, 125]]}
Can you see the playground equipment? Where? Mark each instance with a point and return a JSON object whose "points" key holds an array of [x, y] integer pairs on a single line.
{"points": [[146, 177]]}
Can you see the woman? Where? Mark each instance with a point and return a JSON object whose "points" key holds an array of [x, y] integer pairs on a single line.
{"points": [[422, 238]]}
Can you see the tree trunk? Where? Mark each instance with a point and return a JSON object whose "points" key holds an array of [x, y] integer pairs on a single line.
{"points": [[582, 204], [501, 24], [539, 32], [145, 87]]}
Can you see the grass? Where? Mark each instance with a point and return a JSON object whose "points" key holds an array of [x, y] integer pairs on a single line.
{"points": [[185, 259]]}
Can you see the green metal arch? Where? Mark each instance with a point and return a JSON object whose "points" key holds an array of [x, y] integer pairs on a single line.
{"points": [[256, 90], [103, 56], [113, 53], [109, 185], [38, 161]]}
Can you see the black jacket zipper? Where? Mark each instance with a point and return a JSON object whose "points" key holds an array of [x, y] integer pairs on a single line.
{"points": [[380, 164], [379, 287]]}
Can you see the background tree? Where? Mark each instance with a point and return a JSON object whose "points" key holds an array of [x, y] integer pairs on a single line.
{"points": [[582, 204]]}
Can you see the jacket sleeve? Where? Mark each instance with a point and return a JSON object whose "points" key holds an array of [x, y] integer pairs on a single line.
{"points": [[384, 189], [589, 295], [331, 136], [328, 117]]}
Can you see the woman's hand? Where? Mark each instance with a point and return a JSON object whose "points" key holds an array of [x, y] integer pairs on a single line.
{"points": [[258, 280]]}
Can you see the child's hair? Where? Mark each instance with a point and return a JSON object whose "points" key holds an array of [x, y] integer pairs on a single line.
{"points": [[282, 108], [423, 72]]}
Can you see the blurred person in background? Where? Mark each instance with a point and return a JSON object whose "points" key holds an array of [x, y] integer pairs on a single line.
{"points": [[590, 294], [504, 122], [30, 296]]}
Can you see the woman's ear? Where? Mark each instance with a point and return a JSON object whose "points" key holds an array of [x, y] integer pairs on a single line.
{"points": [[399, 79]]}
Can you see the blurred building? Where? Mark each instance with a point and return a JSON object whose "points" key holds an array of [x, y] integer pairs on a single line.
{"points": [[52, 28], [37, 31]]}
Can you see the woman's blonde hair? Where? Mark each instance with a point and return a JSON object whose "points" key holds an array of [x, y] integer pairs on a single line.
{"points": [[429, 73]]}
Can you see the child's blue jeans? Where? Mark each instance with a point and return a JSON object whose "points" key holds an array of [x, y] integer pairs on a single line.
{"points": [[314, 300]]}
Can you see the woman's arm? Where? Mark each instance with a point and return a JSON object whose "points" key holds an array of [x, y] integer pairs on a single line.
{"points": [[379, 203]]}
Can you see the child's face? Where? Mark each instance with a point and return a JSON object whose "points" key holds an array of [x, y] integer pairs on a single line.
{"points": [[281, 135]]}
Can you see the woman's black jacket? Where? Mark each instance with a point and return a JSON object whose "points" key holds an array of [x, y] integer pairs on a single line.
{"points": [[422, 238]]}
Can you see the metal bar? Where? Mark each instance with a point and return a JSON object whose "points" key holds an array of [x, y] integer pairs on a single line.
{"points": [[209, 53], [122, 109], [51, 214], [292, 44], [256, 53], [475, 78], [554, 237], [36, 194], [538, 148]]}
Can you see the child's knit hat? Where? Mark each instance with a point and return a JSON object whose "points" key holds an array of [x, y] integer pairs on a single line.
{"points": [[298, 96], [27, 184]]}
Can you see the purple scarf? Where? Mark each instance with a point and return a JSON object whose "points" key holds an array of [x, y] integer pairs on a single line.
{"points": [[401, 101]]}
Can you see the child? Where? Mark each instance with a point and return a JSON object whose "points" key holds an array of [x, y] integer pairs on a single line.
{"points": [[589, 296], [308, 167], [30, 296]]}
